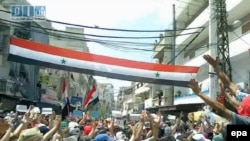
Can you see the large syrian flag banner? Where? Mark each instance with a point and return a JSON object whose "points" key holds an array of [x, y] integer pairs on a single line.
{"points": [[33, 53]]}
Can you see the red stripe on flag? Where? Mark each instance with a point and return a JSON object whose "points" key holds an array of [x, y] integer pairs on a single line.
{"points": [[100, 58], [89, 96], [64, 86], [64, 89]]}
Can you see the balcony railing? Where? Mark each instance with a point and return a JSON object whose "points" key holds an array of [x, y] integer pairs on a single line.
{"points": [[164, 102], [6, 87], [197, 53]]}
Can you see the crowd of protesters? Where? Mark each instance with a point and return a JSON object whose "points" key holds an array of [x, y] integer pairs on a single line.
{"points": [[31, 126]]}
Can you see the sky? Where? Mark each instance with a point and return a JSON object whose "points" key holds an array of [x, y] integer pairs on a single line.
{"points": [[121, 14]]}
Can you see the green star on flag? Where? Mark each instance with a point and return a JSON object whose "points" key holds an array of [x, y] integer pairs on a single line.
{"points": [[63, 61], [157, 74]]}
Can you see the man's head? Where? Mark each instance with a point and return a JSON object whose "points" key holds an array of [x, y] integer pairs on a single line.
{"points": [[168, 123], [74, 129], [103, 137]]}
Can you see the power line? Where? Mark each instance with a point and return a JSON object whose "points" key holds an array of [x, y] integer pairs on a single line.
{"points": [[114, 29], [89, 40], [111, 29], [92, 35], [150, 50], [185, 47], [92, 40], [239, 37]]}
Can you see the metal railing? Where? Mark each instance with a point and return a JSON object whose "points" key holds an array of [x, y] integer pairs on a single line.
{"points": [[6, 87]]}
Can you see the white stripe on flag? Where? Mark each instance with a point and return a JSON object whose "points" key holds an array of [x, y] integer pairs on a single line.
{"points": [[64, 93], [15, 50]]}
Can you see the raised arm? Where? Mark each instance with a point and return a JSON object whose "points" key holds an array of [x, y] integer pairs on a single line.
{"points": [[214, 104], [7, 135], [52, 131], [230, 99]]}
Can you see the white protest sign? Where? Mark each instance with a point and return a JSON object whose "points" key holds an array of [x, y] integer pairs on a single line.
{"points": [[36, 110], [116, 114], [47, 111], [135, 117], [119, 122], [21, 108], [171, 117]]}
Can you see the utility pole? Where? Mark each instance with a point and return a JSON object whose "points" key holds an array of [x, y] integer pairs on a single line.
{"points": [[174, 36], [213, 83], [173, 49], [218, 40], [222, 35], [223, 43]]}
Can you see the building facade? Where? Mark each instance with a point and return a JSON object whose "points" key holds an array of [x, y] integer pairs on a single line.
{"points": [[197, 46], [106, 98], [37, 83], [19, 79], [78, 84], [137, 97]]}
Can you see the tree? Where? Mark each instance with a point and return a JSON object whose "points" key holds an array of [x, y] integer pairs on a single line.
{"points": [[102, 112]]}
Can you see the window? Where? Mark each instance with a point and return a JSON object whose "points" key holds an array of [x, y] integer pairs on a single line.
{"points": [[22, 34], [246, 27], [3, 86]]}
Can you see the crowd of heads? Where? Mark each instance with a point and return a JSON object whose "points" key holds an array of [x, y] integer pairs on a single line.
{"points": [[203, 125]]}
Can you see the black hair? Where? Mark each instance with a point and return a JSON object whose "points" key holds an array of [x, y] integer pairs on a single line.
{"points": [[210, 135], [1, 116]]}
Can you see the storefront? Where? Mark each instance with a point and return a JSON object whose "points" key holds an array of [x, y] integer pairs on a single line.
{"points": [[176, 109], [10, 102]]}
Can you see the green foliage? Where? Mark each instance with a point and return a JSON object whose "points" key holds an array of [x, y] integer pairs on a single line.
{"points": [[102, 112], [44, 78]]}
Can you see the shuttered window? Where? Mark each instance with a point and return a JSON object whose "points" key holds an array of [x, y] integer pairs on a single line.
{"points": [[246, 27]]}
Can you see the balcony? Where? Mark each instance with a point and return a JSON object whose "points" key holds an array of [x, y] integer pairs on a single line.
{"points": [[142, 90], [6, 87], [236, 10], [189, 9], [153, 102], [193, 54], [163, 43], [236, 47]]}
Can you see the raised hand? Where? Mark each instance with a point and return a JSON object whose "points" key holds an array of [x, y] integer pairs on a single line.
{"points": [[52, 116], [213, 62], [224, 78], [228, 84], [111, 124], [157, 119], [143, 116], [195, 86], [4, 126], [181, 114], [26, 119], [148, 116], [57, 123]]}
